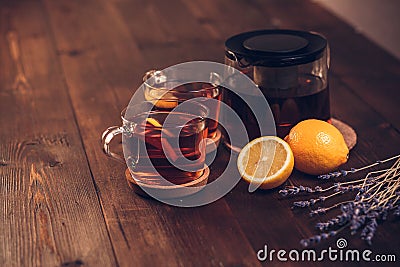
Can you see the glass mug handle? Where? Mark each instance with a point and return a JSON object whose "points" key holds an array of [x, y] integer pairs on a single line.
{"points": [[106, 139]]}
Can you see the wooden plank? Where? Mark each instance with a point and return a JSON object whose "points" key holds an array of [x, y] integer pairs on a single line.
{"points": [[253, 223], [104, 52], [167, 33], [263, 216], [227, 18], [101, 78], [50, 212]]}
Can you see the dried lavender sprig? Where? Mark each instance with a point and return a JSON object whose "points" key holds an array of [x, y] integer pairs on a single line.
{"points": [[345, 217], [294, 190], [375, 190], [378, 203], [316, 238], [306, 242], [339, 220], [336, 174], [373, 203], [318, 211], [397, 211], [313, 201], [321, 210], [305, 203], [349, 188], [391, 190], [378, 194], [357, 221], [354, 170], [369, 231]]}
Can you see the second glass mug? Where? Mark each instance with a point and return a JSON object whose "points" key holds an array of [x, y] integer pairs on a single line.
{"points": [[161, 147], [163, 92]]}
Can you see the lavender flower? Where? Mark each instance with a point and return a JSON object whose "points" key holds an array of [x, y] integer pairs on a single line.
{"points": [[397, 211], [369, 231], [317, 238], [310, 202], [318, 211], [378, 195], [346, 208], [304, 203], [294, 190], [349, 188], [339, 220], [336, 174], [354, 170], [356, 222]]}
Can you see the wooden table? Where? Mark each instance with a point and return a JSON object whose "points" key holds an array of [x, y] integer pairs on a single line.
{"points": [[68, 68]]}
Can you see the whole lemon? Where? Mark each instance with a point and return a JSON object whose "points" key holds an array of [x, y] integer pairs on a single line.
{"points": [[318, 147]]}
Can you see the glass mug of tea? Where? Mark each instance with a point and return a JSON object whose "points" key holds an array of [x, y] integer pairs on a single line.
{"points": [[162, 148], [166, 90]]}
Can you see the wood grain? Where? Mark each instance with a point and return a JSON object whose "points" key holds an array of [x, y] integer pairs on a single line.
{"points": [[347, 105], [50, 213], [69, 67], [143, 231]]}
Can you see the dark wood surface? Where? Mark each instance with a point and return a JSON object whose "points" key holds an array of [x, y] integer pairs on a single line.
{"points": [[68, 68]]}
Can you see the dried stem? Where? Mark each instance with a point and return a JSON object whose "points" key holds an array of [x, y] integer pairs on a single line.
{"points": [[378, 193]]}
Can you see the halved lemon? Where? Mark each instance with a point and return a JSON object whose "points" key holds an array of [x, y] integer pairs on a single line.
{"points": [[154, 122], [161, 98], [265, 162]]}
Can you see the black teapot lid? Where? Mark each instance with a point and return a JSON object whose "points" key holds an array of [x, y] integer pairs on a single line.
{"points": [[275, 48]]}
